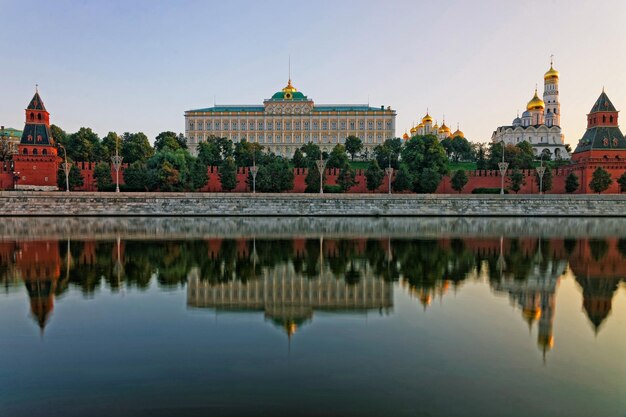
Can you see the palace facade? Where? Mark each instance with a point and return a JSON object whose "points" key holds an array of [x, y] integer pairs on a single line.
{"points": [[288, 120], [540, 124]]}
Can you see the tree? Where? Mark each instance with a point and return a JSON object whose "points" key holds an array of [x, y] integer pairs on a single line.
{"points": [[275, 175], [58, 134], [622, 182], [108, 145], [388, 152], [600, 180], [102, 175], [312, 179], [215, 150], [516, 180], [83, 145], [136, 147], [518, 156], [347, 178], [338, 157], [571, 183], [246, 153], [354, 145], [228, 174], [374, 176], [480, 156], [311, 152], [546, 182], [75, 178], [403, 180], [429, 180], [199, 174], [170, 170], [136, 176], [170, 140], [6, 149], [459, 180], [298, 160]]}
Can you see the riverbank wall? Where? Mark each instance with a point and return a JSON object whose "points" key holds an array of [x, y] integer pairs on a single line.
{"points": [[43, 204]]}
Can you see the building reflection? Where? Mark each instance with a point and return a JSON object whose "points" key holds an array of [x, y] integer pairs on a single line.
{"points": [[290, 279]]}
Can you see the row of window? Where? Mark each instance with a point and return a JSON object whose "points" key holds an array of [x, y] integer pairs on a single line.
{"points": [[298, 139], [251, 125], [35, 152]]}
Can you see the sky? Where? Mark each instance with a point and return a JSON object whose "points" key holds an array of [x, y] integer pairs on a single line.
{"points": [[138, 65]]}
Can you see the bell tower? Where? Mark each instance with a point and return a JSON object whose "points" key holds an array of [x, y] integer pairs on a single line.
{"points": [[551, 95]]}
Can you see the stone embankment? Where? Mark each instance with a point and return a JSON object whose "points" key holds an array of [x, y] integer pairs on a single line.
{"points": [[42, 204]]}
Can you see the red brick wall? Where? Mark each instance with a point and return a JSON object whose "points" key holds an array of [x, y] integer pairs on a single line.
{"points": [[36, 170]]}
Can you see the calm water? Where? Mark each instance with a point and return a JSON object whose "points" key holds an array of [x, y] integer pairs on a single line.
{"points": [[156, 317]]}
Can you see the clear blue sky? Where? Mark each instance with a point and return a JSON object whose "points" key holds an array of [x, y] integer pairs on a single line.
{"points": [[138, 65]]}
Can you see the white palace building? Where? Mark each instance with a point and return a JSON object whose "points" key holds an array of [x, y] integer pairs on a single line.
{"points": [[540, 124], [289, 120]]}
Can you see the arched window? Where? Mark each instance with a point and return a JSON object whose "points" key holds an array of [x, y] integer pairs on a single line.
{"points": [[32, 116], [35, 152], [611, 119], [25, 151], [44, 152], [603, 119], [38, 116]]}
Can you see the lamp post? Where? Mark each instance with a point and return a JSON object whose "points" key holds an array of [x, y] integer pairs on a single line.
{"points": [[66, 168], [389, 173], [254, 170], [503, 166], [540, 171], [321, 165], [16, 176], [117, 164]]}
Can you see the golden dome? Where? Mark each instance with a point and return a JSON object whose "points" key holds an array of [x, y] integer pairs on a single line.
{"points": [[536, 103], [427, 119], [435, 126], [531, 314], [445, 128], [551, 74], [458, 133], [420, 126], [405, 136], [290, 88], [413, 130]]}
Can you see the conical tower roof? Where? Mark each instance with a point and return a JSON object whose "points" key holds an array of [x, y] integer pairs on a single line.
{"points": [[603, 103], [36, 103]]}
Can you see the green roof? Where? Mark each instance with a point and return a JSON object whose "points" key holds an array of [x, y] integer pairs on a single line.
{"points": [[252, 108], [603, 104], [9, 131], [346, 107], [601, 137], [233, 108], [296, 96]]}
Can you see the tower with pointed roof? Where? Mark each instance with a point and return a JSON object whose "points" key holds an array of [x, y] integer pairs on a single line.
{"points": [[36, 159]]}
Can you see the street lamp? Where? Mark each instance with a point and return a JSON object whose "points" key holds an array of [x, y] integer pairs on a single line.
{"points": [[503, 166], [117, 164], [254, 170], [389, 173], [321, 165], [540, 171], [66, 168], [16, 176]]}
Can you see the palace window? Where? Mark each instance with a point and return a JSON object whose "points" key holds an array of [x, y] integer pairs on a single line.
{"points": [[191, 126], [388, 124], [287, 125], [270, 125], [307, 126], [316, 125], [243, 125], [343, 125], [370, 124], [234, 125], [361, 124], [208, 125], [334, 125], [251, 125], [324, 125], [279, 125], [297, 125], [379, 125], [352, 125], [260, 125]]}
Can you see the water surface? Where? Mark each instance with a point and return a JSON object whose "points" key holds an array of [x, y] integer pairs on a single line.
{"points": [[367, 317]]}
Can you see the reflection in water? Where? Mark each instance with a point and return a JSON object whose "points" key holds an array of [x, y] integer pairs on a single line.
{"points": [[289, 279]]}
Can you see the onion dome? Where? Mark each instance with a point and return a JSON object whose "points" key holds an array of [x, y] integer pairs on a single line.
{"points": [[435, 126], [405, 136], [552, 74], [420, 126], [458, 133], [517, 121], [444, 128], [413, 130], [536, 103], [289, 88], [427, 119]]}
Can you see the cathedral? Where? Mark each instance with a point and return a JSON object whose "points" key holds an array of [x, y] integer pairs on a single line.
{"points": [[426, 127], [540, 124]]}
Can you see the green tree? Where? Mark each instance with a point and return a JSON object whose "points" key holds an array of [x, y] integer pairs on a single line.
{"points": [[462, 150], [170, 140], [170, 170], [75, 178], [136, 176], [388, 152], [246, 153], [403, 180], [546, 182], [102, 175], [311, 152], [600, 180], [215, 150], [571, 183], [59, 135], [518, 156], [228, 174], [480, 156], [108, 146], [429, 180], [83, 145], [312, 179], [346, 178], [298, 160], [622, 182], [354, 145], [275, 175], [338, 157], [374, 176], [136, 147], [6, 149], [516, 180], [458, 181], [199, 174]]}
